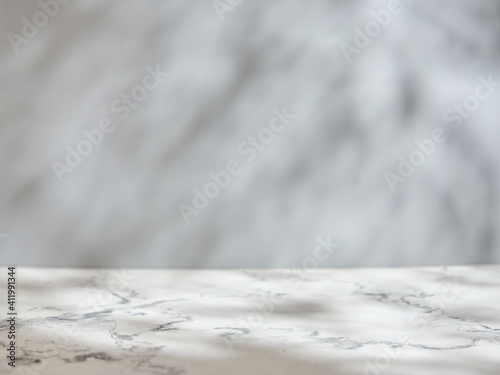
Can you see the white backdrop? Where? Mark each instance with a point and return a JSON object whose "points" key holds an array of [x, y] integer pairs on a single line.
{"points": [[322, 176]]}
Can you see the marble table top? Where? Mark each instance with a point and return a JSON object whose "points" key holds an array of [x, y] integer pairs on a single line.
{"points": [[438, 320]]}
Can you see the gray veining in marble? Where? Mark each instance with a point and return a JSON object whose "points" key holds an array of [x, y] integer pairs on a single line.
{"points": [[326, 321]]}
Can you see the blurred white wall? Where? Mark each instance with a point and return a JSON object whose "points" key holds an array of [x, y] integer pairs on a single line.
{"points": [[322, 176]]}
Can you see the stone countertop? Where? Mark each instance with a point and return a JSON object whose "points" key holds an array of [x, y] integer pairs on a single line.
{"points": [[438, 320]]}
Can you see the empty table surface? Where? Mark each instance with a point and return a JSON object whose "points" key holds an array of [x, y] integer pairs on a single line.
{"points": [[437, 320]]}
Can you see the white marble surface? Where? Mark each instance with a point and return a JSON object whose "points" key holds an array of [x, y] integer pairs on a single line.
{"points": [[345, 321]]}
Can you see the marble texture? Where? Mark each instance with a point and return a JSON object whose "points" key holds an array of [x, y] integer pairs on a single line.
{"points": [[327, 321], [323, 175]]}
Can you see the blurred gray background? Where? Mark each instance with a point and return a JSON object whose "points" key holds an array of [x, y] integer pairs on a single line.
{"points": [[323, 176]]}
